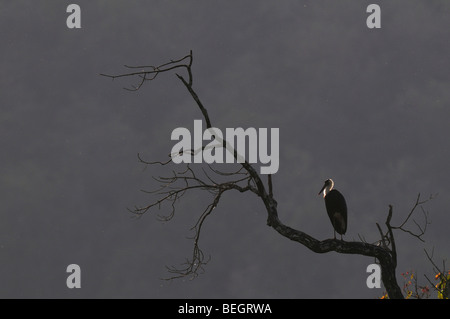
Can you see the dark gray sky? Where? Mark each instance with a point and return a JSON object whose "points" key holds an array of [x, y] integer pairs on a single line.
{"points": [[368, 108]]}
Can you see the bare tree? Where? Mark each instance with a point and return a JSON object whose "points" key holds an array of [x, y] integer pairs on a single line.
{"points": [[247, 180]]}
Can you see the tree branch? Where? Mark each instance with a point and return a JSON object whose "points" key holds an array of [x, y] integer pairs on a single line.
{"points": [[250, 182], [422, 229]]}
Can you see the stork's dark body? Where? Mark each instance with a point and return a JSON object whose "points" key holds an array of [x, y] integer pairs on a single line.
{"points": [[337, 210]]}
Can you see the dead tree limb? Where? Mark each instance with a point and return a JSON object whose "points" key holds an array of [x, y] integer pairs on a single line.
{"points": [[174, 187]]}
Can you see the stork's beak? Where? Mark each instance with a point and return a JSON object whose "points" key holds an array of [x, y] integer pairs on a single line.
{"points": [[322, 189]]}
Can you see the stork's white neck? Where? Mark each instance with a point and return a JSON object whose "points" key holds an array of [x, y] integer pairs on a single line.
{"points": [[328, 188]]}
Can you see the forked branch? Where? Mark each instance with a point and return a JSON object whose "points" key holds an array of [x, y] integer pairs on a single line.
{"points": [[421, 229]]}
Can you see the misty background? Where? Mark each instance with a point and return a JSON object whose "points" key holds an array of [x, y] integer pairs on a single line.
{"points": [[369, 108]]}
